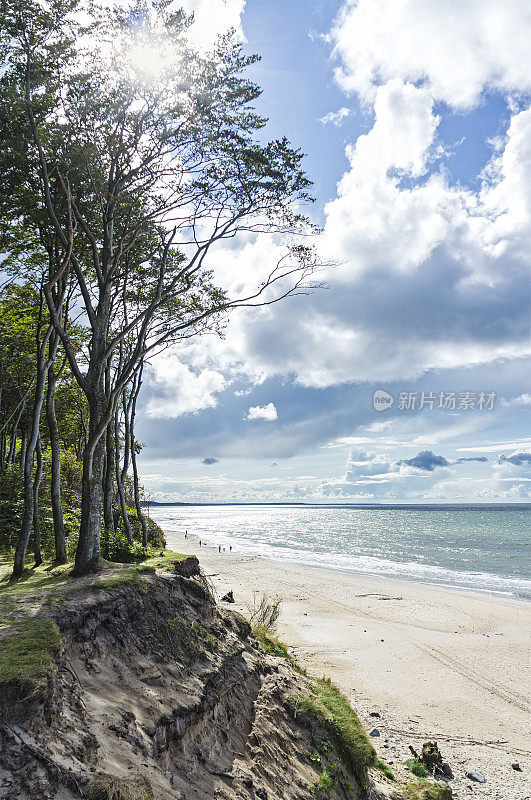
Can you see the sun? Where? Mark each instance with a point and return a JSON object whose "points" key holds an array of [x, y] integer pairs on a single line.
{"points": [[149, 59]]}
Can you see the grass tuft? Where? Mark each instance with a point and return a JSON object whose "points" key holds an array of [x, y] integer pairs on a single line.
{"points": [[416, 766], [274, 647], [385, 769], [424, 790], [27, 650]]}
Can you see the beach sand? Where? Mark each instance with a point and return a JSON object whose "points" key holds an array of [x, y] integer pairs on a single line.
{"points": [[434, 663]]}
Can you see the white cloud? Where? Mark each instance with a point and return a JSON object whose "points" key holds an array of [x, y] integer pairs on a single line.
{"points": [[336, 118], [458, 48], [213, 17], [515, 402], [178, 390], [267, 413]]}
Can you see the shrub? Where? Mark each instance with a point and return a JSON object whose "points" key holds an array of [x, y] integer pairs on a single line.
{"points": [[264, 613], [417, 768]]}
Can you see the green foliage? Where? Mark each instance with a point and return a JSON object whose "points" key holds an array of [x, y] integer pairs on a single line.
{"points": [[11, 507], [385, 769], [270, 644], [424, 790], [327, 779], [27, 650], [120, 549], [155, 533], [416, 766]]}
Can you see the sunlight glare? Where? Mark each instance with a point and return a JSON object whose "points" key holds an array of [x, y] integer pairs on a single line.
{"points": [[149, 59]]}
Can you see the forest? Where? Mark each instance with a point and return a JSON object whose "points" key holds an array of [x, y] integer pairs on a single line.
{"points": [[127, 157]]}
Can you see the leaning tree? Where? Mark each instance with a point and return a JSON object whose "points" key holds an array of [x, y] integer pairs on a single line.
{"points": [[149, 155]]}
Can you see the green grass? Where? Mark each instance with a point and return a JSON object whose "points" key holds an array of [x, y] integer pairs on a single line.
{"points": [[274, 647], [424, 790], [53, 582], [326, 703], [385, 769], [417, 768], [27, 650]]}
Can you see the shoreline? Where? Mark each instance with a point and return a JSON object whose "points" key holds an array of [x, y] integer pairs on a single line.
{"points": [[434, 662]]}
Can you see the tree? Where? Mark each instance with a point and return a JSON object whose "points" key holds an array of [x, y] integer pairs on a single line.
{"points": [[141, 174]]}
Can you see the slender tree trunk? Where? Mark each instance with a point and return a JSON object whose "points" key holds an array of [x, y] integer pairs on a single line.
{"points": [[55, 485], [119, 483], [23, 444], [13, 445], [36, 486], [138, 507], [27, 517], [108, 489]]}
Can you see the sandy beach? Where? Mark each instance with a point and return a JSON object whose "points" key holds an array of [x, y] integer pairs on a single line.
{"points": [[433, 663]]}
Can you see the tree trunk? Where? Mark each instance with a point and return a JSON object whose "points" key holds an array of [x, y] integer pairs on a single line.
{"points": [[55, 485], [36, 522], [108, 489], [121, 493], [88, 549], [131, 428], [13, 445], [23, 443], [29, 452]]}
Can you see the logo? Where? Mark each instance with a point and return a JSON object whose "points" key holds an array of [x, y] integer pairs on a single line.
{"points": [[382, 400]]}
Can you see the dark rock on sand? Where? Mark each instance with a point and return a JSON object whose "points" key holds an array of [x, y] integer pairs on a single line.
{"points": [[516, 766], [375, 732], [228, 598]]}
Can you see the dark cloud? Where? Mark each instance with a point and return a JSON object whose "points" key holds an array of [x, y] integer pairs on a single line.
{"points": [[425, 460], [209, 461], [518, 459], [472, 458]]}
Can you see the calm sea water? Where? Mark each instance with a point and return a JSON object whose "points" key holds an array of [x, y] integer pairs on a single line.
{"points": [[480, 548]]}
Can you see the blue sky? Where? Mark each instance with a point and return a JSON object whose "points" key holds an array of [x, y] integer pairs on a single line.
{"points": [[422, 190]]}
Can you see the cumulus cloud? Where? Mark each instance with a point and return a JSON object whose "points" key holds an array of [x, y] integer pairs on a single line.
{"points": [[176, 389], [458, 48], [518, 459], [268, 413], [210, 460], [425, 460], [336, 118]]}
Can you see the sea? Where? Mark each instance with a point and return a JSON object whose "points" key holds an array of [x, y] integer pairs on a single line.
{"points": [[484, 548]]}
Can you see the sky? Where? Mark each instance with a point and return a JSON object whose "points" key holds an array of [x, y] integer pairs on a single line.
{"points": [[407, 379]]}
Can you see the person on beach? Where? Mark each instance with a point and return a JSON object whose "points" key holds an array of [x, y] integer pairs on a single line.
{"points": [[219, 548]]}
